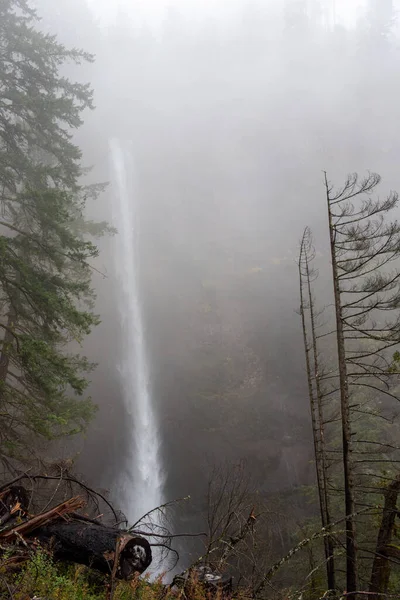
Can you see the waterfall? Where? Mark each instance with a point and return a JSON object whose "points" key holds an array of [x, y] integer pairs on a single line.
{"points": [[141, 482]]}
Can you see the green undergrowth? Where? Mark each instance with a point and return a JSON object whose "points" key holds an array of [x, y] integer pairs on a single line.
{"points": [[48, 580], [43, 578]]}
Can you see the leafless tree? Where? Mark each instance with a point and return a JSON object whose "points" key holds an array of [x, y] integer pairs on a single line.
{"points": [[362, 246], [364, 249], [230, 512], [239, 528], [314, 371]]}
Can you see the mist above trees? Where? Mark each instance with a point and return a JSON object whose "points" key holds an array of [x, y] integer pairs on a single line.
{"points": [[232, 124]]}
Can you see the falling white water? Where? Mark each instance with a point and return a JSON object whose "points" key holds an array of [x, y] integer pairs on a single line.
{"points": [[141, 481]]}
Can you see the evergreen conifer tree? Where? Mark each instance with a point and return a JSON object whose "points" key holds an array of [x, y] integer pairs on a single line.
{"points": [[46, 299]]}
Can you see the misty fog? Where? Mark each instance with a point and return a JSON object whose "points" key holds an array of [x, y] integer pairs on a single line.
{"points": [[232, 110]]}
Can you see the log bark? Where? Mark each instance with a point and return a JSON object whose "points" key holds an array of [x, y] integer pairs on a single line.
{"points": [[96, 546], [71, 537]]}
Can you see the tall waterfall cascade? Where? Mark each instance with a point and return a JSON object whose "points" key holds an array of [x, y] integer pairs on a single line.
{"points": [[141, 482]]}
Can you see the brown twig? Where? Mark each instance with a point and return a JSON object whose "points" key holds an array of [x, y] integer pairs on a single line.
{"points": [[114, 570]]}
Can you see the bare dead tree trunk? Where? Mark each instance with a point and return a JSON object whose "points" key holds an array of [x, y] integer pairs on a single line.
{"points": [[315, 397], [363, 245], [351, 550], [328, 540], [381, 566]]}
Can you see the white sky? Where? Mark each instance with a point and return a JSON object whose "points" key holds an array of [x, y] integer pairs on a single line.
{"points": [[347, 11], [153, 11]]}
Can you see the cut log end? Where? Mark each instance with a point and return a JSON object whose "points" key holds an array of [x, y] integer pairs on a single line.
{"points": [[134, 558]]}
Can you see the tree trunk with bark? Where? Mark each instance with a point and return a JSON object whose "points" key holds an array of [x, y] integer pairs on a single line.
{"points": [[7, 340], [381, 566], [351, 550], [315, 392]]}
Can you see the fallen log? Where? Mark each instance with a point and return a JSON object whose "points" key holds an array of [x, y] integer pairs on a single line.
{"points": [[97, 546], [73, 538]]}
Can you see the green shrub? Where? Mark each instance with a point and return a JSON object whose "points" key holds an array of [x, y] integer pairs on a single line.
{"points": [[50, 580], [46, 579]]}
